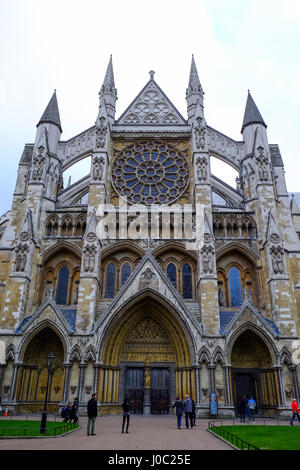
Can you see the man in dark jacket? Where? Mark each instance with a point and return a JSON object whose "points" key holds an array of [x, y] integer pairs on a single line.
{"points": [[188, 409], [178, 405], [92, 412], [243, 405], [74, 411]]}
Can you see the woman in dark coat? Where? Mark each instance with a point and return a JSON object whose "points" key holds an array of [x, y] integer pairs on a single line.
{"points": [[178, 405], [126, 414]]}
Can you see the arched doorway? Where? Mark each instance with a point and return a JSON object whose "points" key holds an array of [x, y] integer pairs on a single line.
{"points": [[146, 357], [252, 372], [32, 380]]}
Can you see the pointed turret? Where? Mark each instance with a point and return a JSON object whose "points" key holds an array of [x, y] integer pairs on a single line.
{"points": [[194, 92], [51, 113], [108, 92], [252, 114]]}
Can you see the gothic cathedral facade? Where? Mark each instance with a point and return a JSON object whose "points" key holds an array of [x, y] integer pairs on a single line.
{"points": [[143, 311]]}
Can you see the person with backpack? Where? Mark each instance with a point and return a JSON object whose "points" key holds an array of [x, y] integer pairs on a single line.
{"points": [[295, 411], [178, 405], [66, 413], [251, 406]]}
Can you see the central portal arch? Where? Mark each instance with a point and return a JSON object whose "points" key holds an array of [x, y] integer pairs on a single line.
{"points": [[147, 356]]}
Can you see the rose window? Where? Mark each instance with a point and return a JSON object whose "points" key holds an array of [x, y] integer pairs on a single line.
{"points": [[150, 173]]}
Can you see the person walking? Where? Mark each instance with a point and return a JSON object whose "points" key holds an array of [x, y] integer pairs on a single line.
{"points": [[178, 405], [251, 404], [295, 412], [126, 414], [188, 409], [242, 408], [92, 412], [74, 411]]}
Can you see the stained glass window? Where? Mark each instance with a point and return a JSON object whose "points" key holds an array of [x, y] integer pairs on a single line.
{"points": [[148, 173], [187, 291], [110, 281], [62, 286], [235, 287], [171, 273], [125, 273]]}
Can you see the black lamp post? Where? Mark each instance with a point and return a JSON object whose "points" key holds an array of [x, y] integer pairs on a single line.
{"points": [[44, 414]]}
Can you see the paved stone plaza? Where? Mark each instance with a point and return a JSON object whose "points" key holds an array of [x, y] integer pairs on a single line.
{"points": [[145, 433]]}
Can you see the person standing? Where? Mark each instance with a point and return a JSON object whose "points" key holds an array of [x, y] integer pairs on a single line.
{"points": [[242, 408], [188, 409], [251, 406], [126, 414], [295, 411], [92, 412], [178, 405]]}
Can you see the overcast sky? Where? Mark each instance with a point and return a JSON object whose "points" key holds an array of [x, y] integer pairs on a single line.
{"points": [[66, 44]]}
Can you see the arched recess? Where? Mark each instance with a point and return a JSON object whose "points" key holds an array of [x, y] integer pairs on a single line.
{"points": [[146, 330], [238, 264], [32, 380], [253, 359], [60, 270]]}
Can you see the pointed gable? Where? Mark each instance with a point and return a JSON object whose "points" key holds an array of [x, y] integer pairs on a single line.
{"points": [[151, 107], [148, 275]]}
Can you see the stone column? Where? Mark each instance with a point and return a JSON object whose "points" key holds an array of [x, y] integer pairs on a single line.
{"points": [[198, 395], [277, 371], [211, 369], [96, 379], [293, 370], [81, 381], [12, 397], [67, 381], [227, 387]]}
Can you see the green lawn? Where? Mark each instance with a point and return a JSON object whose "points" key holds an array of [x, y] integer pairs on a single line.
{"points": [[267, 437], [14, 427]]}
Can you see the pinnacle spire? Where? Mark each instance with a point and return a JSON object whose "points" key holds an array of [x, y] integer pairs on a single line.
{"points": [[194, 91], [51, 113], [194, 86], [108, 91], [252, 114]]}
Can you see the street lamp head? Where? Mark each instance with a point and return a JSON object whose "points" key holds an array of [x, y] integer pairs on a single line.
{"points": [[50, 359]]}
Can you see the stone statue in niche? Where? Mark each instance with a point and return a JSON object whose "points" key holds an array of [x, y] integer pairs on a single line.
{"points": [[89, 258], [101, 131], [38, 165], [148, 279], [277, 260], [200, 132], [263, 166], [201, 166], [21, 257], [221, 297], [98, 166]]}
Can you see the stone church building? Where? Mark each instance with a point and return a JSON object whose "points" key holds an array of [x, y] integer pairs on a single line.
{"points": [[152, 316]]}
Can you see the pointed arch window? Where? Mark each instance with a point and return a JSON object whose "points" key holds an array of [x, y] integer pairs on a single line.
{"points": [[172, 274], [187, 290], [110, 281], [235, 287], [125, 273], [62, 286]]}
